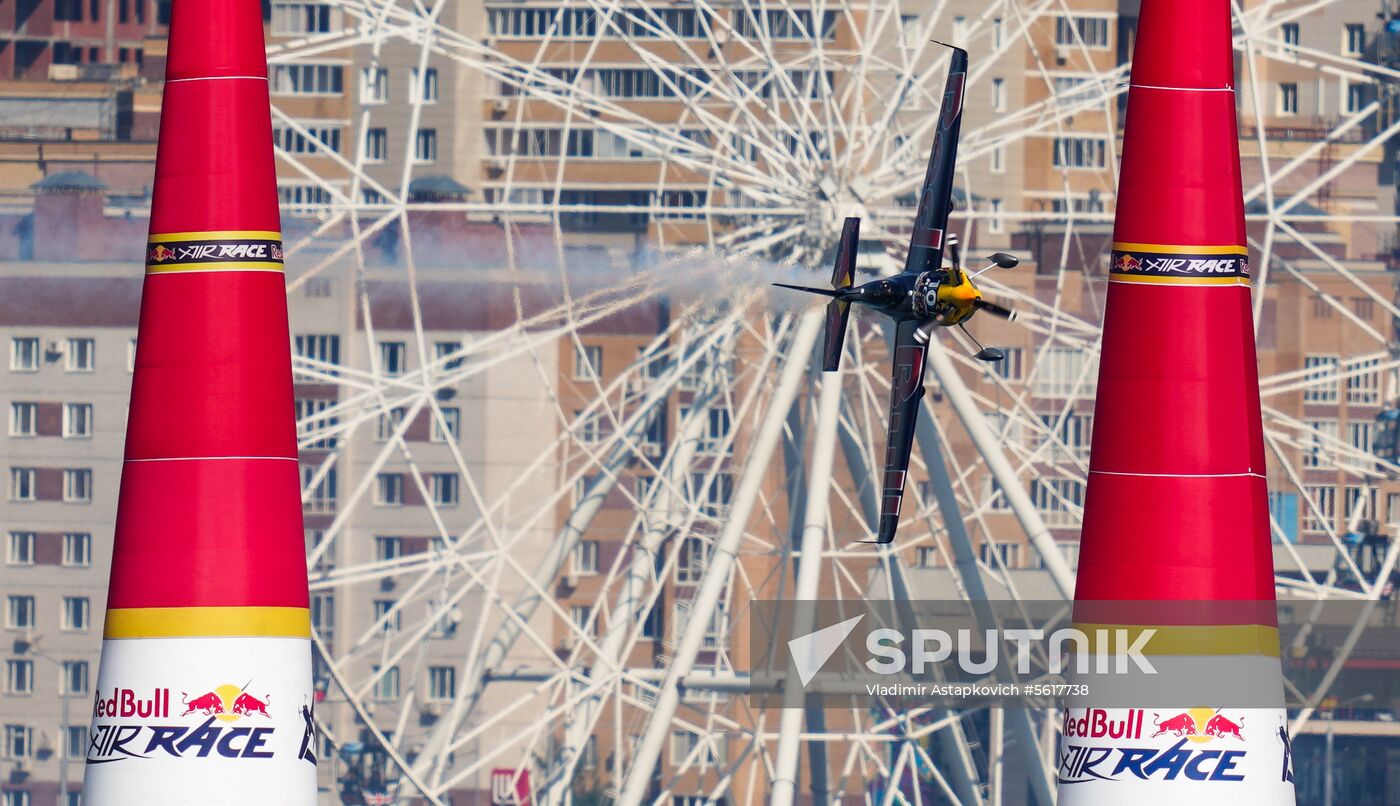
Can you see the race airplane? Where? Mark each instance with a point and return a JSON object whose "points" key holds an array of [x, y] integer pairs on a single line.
{"points": [[924, 296]]}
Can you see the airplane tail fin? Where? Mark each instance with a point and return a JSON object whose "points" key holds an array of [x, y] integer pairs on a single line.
{"points": [[838, 311]]}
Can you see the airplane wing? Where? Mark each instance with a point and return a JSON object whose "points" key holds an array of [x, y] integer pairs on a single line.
{"points": [[906, 391], [936, 196]]}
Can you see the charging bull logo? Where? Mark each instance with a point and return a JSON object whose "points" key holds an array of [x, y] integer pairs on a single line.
{"points": [[227, 703], [1220, 726], [159, 254], [1199, 725], [1126, 262]]}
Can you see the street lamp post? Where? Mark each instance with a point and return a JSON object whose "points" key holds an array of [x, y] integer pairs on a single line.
{"points": [[30, 647]]}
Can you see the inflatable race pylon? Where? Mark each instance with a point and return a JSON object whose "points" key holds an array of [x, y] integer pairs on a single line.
{"points": [[1176, 520], [204, 693]]}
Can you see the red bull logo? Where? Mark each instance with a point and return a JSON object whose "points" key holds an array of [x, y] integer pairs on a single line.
{"points": [[1199, 725], [159, 254], [1220, 726], [1126, 262], [227, 703]]}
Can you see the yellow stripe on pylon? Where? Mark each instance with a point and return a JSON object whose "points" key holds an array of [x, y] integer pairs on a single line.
{"points": [[207, 622], [1222, 639]]}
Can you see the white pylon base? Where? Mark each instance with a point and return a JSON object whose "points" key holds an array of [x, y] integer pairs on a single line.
{"points": [[203, 720], [1160, 756]]}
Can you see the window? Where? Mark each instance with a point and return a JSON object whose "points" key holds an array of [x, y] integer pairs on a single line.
{"points": [[998, 95], [292, 19], [1353, 99], [77, 485], [1000, 555], [1060, 501], [1066, 439], [376, 145], [1066, 371], [21, 549], [1321, 442], [1080, 152], [585, 557], [81, 355], [1092, 30], [75, 677], [19, 676], [325, 561], [425, 146], [1364, 388], [323, 614], [445, 489], [388, 490], [393, 357], [715, 440], [449, 426], [996, 32], [995, 224], [588, 362], [1288, 34], [448, 350], [19, 742], [301, 200], [318, 348], [24, 419], [374, 86], [960, 31], [582, 618], [926, 557], [694, 558], [909, 30], [429, 86], [76, 612], [1010, 431], [1321, 378], [442, 682], [1360, 502], [306, 79], [1324, 498], [1353, 39], [24, 354], [317, 138], [1010, 368], [22, 483], [683, 743], [19, 612], [75, 744], [387, 548], [1288, 98], [388, 422], [386, 688], [718, 495], [314, 425], [77, 420], [1359, 435], [998, 158], [322, 497], [589, 429], [391, 619], [77, 549]]}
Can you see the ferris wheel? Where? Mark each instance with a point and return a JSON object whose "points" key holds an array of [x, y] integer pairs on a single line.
{"points": [[598, 506]]}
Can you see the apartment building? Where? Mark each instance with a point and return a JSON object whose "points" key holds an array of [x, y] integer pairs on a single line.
{"points": [[55, 38]]}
